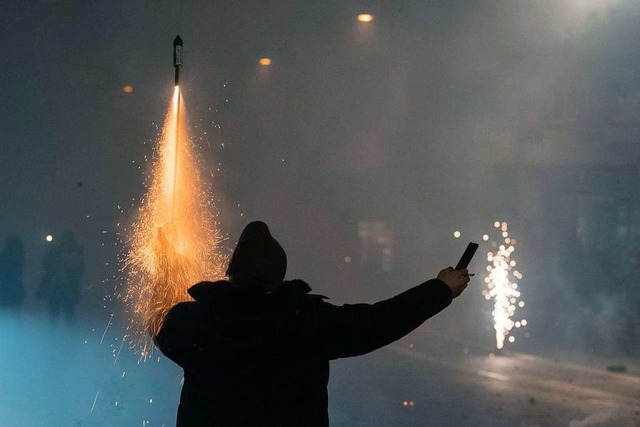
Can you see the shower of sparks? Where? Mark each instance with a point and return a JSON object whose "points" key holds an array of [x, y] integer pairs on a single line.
{"points": [[119, 350], [95, 400], [106, 328], [174, 242], [502, 285]]}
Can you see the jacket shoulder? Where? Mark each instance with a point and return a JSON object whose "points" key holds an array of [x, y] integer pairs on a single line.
{"points": [[181, 317]]}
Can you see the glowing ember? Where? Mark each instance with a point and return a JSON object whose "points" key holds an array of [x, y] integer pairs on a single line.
{"points": [[174, 241], [365, 17], [502, 286]]}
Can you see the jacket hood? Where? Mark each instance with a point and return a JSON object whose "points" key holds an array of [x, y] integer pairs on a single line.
{"points": [[258, 257]]}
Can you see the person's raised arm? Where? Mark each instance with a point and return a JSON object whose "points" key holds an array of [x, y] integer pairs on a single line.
{"points": [[355, 329]]}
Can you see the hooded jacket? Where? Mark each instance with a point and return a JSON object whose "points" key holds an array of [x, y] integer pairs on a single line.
{"points": [[252, 358]]}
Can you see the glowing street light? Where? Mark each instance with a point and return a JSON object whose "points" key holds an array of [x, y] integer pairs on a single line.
{"points": [[127, 89], [365, 17], [265, 62], [49, 238]]}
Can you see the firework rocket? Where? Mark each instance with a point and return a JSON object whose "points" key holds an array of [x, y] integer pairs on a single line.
{"points": [[175, 240], [177, 57], [177, 64]]}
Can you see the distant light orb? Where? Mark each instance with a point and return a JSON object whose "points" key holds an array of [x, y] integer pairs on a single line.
{"points": [[456, 234], [265, 61], [347, 259], [365, 17], [49, 238], [127, 89], [485, 237], [496, 224]]}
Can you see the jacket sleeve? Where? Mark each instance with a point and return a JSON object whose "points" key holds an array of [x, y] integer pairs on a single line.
{"points": [[177, 338], [353, 330]]}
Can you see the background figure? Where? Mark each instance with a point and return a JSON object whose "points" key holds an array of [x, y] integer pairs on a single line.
{"points": [[11, 285], [11, 266], [60, 284]]}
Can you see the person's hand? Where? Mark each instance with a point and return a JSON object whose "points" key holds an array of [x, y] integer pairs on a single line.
{"points": [[456, 280]]}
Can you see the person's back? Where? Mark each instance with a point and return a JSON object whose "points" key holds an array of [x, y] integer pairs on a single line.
{"points": [[256, 352], [248, 357]]}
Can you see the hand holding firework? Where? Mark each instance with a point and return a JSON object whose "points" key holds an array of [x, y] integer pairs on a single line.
{"points": [[456, 280]]}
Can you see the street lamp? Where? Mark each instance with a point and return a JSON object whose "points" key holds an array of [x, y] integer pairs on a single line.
{"points": [[365, 17]]}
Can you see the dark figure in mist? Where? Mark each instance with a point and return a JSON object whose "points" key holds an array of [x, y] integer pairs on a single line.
{"points": [[11, 267], [60, 284], [255, 350]]}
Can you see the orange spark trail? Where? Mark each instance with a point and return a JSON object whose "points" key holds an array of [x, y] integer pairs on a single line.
{"points": [[175, 240]]}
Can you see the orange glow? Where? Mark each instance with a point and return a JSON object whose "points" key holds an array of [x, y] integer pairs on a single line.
{"points": [[265, 61], [365, 17], [127, 89], [174, 242]]}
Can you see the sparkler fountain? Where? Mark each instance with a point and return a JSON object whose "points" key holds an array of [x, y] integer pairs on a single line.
{"points": [[174, 241], [502, 286]]}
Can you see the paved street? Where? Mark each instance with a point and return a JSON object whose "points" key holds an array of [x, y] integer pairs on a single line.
{"points": [[509, 390], [67, 377]]}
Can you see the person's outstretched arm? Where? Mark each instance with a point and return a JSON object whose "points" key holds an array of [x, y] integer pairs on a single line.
{"points": [[356, 329]]}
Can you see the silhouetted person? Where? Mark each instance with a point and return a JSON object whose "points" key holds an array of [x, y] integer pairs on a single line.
{"points": [[60, 284], [11, 268], [255, 350]]}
